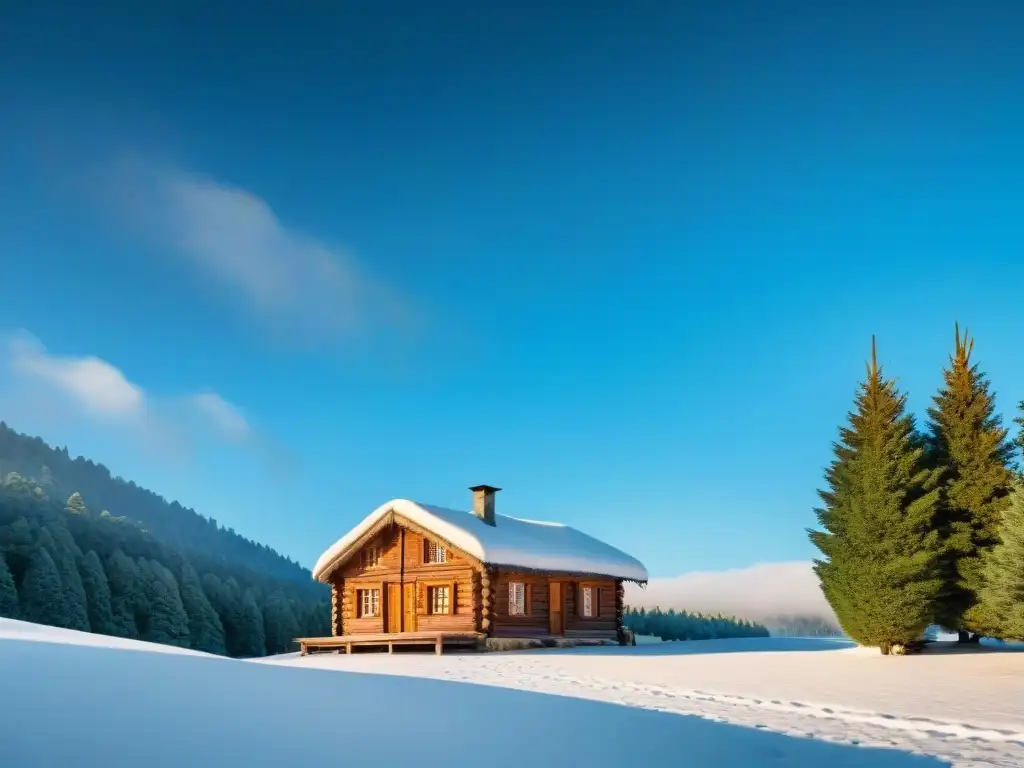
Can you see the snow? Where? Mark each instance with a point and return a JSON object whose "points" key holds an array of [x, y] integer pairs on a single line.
{"points": [[962, 706], [511, 542], [164, 709]]}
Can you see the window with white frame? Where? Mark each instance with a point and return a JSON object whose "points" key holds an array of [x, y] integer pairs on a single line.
{"points": [[436, 553], [516, 598], [439, 599], [588, 602], [369, 603]]}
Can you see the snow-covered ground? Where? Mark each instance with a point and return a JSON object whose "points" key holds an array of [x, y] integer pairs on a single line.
{"points": [[76, 699]]}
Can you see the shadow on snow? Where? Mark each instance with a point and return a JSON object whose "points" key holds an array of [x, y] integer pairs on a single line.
{"points": [[159, 709], [686, 647]]}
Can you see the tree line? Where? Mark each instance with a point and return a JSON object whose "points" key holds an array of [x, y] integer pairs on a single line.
{"points": [[179, 527], [63, 565], [924, 526], [671, 625]]}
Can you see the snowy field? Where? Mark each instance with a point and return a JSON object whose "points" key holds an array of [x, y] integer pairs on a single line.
{"points": [[756, 702]]}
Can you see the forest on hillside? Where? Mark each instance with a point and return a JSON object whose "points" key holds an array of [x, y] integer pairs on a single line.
{"points": [[60, 475], [65, 564], [673, 625]]}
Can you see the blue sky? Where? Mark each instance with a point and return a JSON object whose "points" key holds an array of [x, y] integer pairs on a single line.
{"points": [[285, 263]]}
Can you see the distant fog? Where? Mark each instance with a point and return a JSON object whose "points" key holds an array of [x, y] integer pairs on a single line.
{"points": [[764, 592]]}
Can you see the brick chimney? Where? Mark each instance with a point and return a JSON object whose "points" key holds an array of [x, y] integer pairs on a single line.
{"points": [[483, 502]]}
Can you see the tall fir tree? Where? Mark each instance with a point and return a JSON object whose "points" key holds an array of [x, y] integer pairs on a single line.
{"points": [[253, 636], [1002, 591], [97, 594], [41, 599], [206, 633], [279, 623], [66, 555], [166, 620], [122, 578], [968, 442], [8, 592], [880, 570]]}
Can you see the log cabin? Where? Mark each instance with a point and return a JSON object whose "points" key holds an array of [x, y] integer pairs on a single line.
{"points": [[412, 571]]}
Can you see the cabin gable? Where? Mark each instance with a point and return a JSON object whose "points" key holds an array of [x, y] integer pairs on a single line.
{"points": [[401, 580]]}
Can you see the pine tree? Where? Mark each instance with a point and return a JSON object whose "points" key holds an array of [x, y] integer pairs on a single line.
{"points": [[206, 633], [1002, 592], [8, 592], [97, 593], [279, 624], [253, 636], [122, 578], [880, 570], [167, 622], [65, 553], [41, 599], [967, 440], [76, 505]]}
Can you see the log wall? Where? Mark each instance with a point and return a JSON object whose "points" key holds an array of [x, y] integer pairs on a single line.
{"points": [[402, 561]]}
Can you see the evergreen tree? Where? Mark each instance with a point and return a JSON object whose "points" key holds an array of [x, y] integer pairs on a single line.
{"points": [[206, 633], [66, 554], [880, 571], [122, 577], [1019, 421], [97, 593], [41, 598], [967, 440], [279, 624], [1002, 593], [76, 505], [167, 621], [253, 637], [8, 592]]}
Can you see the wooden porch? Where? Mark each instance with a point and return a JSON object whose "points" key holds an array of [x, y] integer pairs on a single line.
{"points": [[347, 643]]}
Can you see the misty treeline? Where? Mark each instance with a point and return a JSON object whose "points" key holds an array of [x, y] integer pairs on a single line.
{"points": [[673, 625], [66, 565], [924, 526], [801, 626]]}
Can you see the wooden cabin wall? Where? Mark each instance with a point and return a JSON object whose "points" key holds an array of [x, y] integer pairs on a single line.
{"points": [[604, 624], [536, 623], [402, 561]]}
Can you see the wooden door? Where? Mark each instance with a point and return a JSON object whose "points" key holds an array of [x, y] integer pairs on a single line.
{"points": [[393, 613], [556, 615], [409, 608]]}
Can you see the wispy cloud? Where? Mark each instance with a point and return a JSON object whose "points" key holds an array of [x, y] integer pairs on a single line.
{"points": [[87, 387], [234, 239], [224, 417], [95, 385], [759, 592]]}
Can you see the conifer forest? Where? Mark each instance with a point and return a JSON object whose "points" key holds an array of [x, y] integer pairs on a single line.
{"points": [[83, 550], [923, 525]]}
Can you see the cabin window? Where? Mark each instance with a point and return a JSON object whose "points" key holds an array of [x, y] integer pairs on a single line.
{"points": [[516, 598], [371, 556], [439, 599], [436, 553], [590, 601], [369, 603]]}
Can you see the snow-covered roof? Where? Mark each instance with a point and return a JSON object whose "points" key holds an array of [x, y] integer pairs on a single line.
{"points": [[510, 542]]}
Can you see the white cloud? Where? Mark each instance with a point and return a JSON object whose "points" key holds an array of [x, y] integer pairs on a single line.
{"points": [[87, 386], [234, 239], [223, 416], [759, 592], [94, 384]]}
